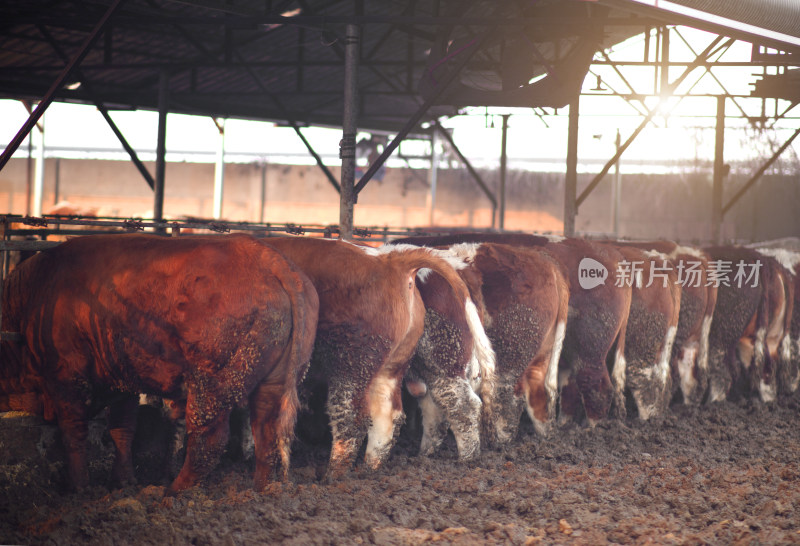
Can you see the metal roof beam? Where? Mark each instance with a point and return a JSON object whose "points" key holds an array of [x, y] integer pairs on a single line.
{"points": [[103, 111], [460, 63], [753, 179], [668, 91], [60, 81]]}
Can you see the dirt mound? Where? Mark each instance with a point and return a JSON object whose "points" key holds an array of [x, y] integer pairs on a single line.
{"points": [[716, 474]]}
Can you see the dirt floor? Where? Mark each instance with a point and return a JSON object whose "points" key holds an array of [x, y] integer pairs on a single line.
{"points": [[721, 474]]}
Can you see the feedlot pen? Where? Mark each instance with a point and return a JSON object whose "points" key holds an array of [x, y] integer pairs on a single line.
{"points": [[721, 473]]}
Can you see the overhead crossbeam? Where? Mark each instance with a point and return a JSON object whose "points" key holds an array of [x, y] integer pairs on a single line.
{"points": [[87, 85], [58, 84], [668, 91], [753, 179], [468, 51]]}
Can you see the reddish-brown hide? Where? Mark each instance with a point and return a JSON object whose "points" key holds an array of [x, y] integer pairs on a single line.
{"points": [[371, 318], [208, 320], [597, 319]]}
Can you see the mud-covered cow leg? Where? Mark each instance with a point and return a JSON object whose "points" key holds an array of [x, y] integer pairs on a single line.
{"points": [[461, 411], [122, 427], [73, 422], [385, 416], [206, 437], [347, 427], [434, 425], [265, 408]]}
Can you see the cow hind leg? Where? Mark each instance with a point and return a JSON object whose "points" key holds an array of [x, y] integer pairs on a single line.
{"points": [[347, 429], [595, 387], [273, 413], [74, 427], [434, 425], [122, 427], [206, 438], [719, 376], [462, 409], [508, 409], [386, 414]]}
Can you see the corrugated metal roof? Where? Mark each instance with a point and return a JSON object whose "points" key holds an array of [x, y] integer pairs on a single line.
{"points": [[283, 59]]}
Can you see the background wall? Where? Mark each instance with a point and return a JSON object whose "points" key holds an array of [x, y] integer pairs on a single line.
{"points": [[675, 206]]}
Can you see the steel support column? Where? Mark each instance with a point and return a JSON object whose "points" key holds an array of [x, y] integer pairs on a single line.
{"points": [[616, 193], [503, 168], [58, 84], [571, 180], [161, 146], [347, 195], [219, 170], [719, 173], [433, 176], [38, 179]]}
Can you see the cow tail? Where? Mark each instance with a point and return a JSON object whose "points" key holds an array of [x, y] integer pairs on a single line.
{"points": [[305, 309], [619, 369], [415, 258], [762, 363], [558, 341]]}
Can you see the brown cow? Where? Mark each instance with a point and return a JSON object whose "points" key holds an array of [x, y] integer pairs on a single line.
{"points": [[598, 314], [452, 371], [787, 350], [371, 318], [750, 301], [690, 350], [644, 365], [523, 297], [208, 320]]}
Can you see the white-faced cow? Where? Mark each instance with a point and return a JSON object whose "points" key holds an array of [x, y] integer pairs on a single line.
{"points": [[371, 318], [789, 353], [698, 299], [751, 308], [524, 296], [452, 373], [207, 320], [598, 314], [643, 367]]}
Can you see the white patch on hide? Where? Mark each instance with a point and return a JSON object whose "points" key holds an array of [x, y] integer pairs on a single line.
{"points": [[383, 417], [423, 274], [787, 258], [690, 250], [552, 238], [705, 332], [766, 391], [666, 351], [551, 378], [619, 372], [786, 348], [716, 394], [686, 370], [455, 261], [481, 366], [465, 251]]}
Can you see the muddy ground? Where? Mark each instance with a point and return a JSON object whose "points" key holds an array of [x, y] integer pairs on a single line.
{"points": [[722, 474]]}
